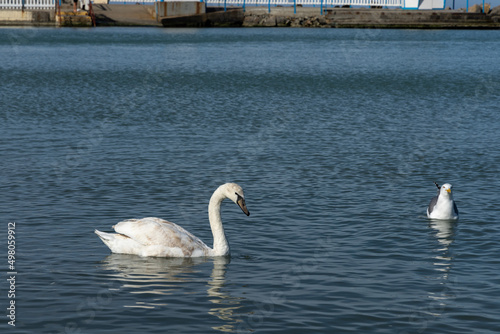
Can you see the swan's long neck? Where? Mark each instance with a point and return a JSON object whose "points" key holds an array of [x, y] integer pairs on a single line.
{"points": [[220, 247]]}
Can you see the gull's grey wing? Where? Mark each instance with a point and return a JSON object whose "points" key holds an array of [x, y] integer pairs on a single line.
{"points": [[432, 204], [455, 209]]}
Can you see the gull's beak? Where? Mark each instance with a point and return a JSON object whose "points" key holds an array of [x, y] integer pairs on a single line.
{"points": [[242, 205], [448, 190]]}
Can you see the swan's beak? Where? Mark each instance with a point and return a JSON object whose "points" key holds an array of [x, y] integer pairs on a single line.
{"points": [[242, 205]]}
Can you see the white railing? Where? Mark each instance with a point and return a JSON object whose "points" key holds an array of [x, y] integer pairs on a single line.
{"points": [[274, 3], [27, 4]]}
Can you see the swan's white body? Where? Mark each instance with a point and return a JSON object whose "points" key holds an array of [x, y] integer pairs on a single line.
{"points": [[443, 206], [158, 237]]}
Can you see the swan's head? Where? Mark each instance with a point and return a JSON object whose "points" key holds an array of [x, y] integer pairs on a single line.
{"points": [[235, 193], [446, 189]]}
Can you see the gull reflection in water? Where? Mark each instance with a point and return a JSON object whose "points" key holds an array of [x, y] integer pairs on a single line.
{"points": [[445, 235], [166, 276]]}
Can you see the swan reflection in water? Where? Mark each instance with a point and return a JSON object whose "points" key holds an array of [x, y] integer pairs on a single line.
{"points": [[445, 235], [167, 276]]}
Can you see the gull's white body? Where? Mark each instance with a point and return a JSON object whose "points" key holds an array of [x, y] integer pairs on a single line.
{"points": [[158, 237], [443, 206]]}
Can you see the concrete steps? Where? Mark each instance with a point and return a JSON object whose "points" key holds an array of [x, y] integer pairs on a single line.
{"points": [[67, 18]]}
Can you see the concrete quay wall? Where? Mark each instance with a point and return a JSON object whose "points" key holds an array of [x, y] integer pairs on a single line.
{"points": [[339, 18], [15, 17]]}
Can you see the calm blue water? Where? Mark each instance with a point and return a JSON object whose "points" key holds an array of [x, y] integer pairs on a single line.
{"points": [[336, 137]]}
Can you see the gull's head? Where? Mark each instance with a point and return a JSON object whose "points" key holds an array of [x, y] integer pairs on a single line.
{"points": [[235, 193], [446, 189]]}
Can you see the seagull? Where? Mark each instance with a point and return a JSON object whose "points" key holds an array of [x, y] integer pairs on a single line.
{"points": [[443, 206]]}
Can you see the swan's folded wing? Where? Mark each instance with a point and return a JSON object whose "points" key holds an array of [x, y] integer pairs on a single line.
{"points": [[155, 231]]}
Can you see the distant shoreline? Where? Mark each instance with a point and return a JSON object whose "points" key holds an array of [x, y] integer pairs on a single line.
{"points": [[145, 16]]}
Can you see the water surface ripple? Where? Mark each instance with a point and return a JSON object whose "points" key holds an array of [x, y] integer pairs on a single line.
{"points": [[336, 137]]}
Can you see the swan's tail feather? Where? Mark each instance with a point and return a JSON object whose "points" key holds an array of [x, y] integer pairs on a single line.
{"points": [[107, 238], [118, 243], [104, 236]]}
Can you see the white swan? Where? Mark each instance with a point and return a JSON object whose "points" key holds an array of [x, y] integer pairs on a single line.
{"points": [[158, 237], [443, 206]]}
